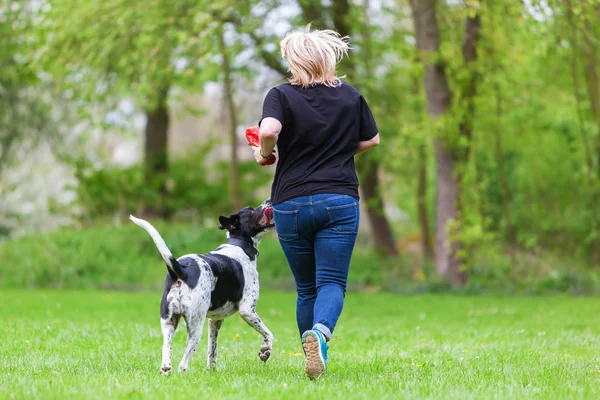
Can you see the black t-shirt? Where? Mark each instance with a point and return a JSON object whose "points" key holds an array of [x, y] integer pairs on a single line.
{"points": [[321, 129]]}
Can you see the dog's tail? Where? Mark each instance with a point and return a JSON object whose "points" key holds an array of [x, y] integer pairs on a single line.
{"points": [[174, 267]]}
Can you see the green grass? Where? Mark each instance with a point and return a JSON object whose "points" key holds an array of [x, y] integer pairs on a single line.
{"points": [[100, 345]]}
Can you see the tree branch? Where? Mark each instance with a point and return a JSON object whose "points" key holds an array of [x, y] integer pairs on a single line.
{"points": [[312, 12], [270, 59]]}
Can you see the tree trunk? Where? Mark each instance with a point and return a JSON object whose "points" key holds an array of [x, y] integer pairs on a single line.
{"points": [[421, 194], [234, 170], [6, 145], [156, 153], [447, 263], [272, 60], [462, 154], [340, 12], [382, 235], [593, 89], [591, 154], [422, 211], [368, 168], [469, 50], [312, 11], [505, 192], [438, 101]]}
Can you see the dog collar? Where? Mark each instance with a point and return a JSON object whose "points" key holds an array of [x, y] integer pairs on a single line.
{"points": [[246, 245]]}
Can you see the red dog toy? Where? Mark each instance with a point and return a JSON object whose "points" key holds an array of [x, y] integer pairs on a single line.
{"points": [[253, 140]]}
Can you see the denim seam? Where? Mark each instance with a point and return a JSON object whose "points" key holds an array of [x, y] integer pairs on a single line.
{"points": [[341, 206], [314, 203], [312, 214]]}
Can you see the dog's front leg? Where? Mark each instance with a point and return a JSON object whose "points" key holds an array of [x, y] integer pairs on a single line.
{"points": [[251, 317], [194, 327], [213, 335], [168, 330]]}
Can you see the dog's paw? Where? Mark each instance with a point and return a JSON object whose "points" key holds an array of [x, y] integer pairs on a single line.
{"points": [[165, 370], [265, 353], [183, 369]]}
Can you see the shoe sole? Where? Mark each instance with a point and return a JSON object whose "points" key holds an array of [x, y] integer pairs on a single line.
{"points": [[315, 366]]}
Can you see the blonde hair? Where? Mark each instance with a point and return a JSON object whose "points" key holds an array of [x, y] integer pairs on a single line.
{"points": [[313, 56]]}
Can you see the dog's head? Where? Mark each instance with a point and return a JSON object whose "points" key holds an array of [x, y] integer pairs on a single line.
{"points": [[251, 223]]}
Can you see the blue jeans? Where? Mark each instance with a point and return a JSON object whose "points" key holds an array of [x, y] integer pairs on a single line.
{"points": [[317, 234]]}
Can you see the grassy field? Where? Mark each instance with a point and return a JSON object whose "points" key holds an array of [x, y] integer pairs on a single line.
{"points": [[107, 345]]}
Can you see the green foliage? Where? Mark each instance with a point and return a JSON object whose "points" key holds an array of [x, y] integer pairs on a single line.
{"points": [[124, 257], [128, 48], [27, 108], [24, 112], [103, 256], [135, 49], [192, 185], [527, 171], [525, 126]]}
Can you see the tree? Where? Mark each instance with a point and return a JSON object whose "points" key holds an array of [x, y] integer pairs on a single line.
{"points": [[580, 16], [422, 187], [134, 49], [24, 113], [234, 175], [312, 11], [463, 151], [248, 26], [592, 13], [448, 156], [438, 102], [496, 73]]}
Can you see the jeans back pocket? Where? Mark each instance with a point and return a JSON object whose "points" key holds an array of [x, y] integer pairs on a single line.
{"points": [[344, 218], [286, 224]]}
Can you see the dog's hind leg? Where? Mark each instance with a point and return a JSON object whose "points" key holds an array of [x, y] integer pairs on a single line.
{"points": [[194, 328], [168, 330], [249, 315], [213, 335]]}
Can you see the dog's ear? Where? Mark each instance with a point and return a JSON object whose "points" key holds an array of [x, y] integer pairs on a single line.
{"points": [[229, 223], [224, 222]]}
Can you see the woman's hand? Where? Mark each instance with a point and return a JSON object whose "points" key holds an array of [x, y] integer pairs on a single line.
{"points": [[258, 157]]}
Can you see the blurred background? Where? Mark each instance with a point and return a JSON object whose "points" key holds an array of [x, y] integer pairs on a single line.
{"points": [[487, 179]]}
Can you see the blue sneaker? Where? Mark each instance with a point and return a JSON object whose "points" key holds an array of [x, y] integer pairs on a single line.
{"points": [[315, 353]]}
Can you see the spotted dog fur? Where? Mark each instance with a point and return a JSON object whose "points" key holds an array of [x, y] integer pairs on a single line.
{"points": [[213, 285]]}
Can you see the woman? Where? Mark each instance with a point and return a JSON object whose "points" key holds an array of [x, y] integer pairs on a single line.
{"points": [[318, 123]]}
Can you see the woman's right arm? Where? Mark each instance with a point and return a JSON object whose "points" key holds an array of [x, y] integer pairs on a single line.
{"points": [[367, 145], [369, 134]]}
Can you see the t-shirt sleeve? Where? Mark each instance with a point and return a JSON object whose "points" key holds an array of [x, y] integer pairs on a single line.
{"points": [[273, 106], [368, 127]]}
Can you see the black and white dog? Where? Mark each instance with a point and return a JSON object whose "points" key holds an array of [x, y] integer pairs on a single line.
{"points": [[214, 285]]}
